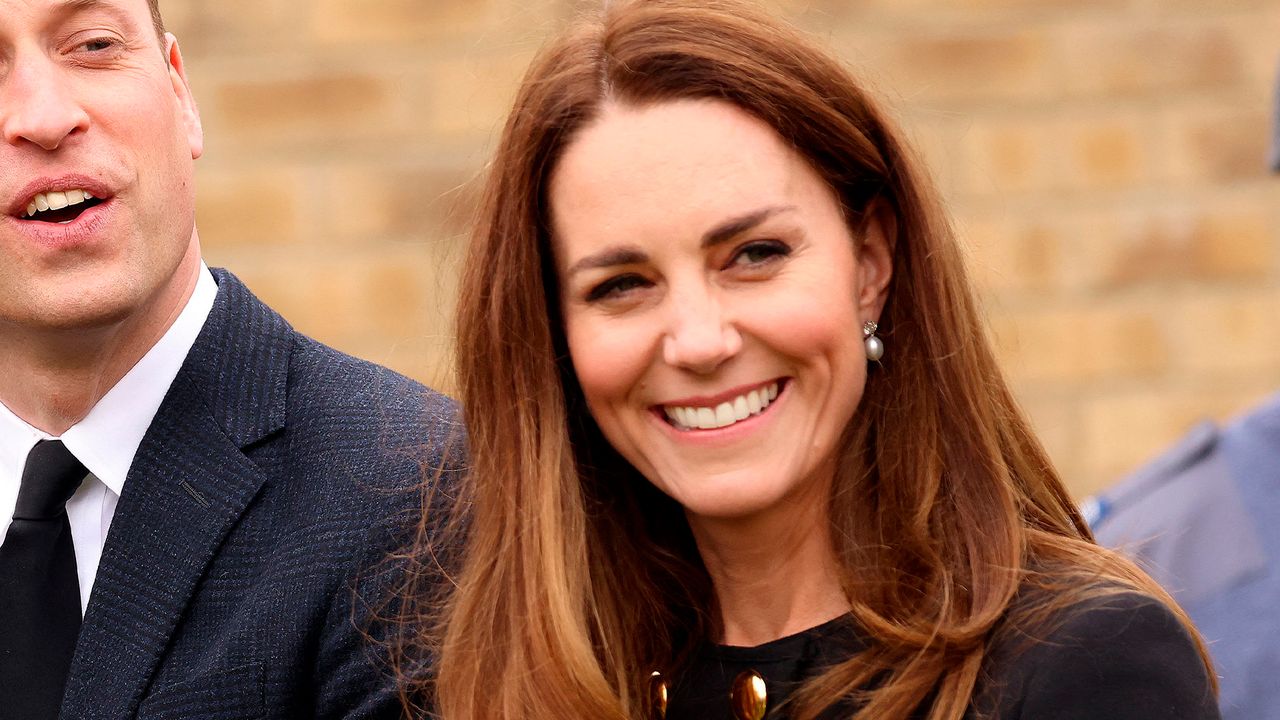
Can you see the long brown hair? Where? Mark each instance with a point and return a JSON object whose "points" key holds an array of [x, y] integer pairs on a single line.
{"points": [[578, 578]]}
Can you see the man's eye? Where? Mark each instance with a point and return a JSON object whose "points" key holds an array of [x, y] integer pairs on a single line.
{"points": [[759, 252], [615, 287], [96, 45]]}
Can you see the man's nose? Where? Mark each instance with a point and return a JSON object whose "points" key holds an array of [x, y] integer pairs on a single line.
{"points": [[701, 335], [38, 106]]}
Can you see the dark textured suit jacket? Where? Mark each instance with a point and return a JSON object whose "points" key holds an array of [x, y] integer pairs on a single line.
{"points": [[249, 541]]}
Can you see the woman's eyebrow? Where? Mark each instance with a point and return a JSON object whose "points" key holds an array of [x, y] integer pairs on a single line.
{"points": [[609, 257], [735, 226], [725, 231]]}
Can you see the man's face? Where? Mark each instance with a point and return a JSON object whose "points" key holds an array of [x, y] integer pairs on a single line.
{"points": [[98, 134]]}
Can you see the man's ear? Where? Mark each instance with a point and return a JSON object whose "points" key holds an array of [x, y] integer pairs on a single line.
{"points": [[874, 259], [186, 101]]}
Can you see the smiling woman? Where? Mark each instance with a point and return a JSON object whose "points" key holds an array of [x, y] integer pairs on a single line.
{"points": [[739, 444], [702, 262]]}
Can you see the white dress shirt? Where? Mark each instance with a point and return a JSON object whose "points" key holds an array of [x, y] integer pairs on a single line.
{"points": [[106, 440]]}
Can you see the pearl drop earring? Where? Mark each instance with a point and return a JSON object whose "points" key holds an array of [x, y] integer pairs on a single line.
{"points": [[875, 346]]}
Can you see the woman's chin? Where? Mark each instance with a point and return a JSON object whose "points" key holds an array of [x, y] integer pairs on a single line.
{"points": [[730, 500]]}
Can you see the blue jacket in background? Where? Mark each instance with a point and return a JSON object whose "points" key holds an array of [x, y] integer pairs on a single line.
{"points": [[1204, 520]]}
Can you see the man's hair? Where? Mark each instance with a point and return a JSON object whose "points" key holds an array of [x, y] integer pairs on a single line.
{"points": [[156, 21]]}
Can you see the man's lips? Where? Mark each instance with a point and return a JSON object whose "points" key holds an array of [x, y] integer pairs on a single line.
{"points": [[61, 231], [43, 186]]}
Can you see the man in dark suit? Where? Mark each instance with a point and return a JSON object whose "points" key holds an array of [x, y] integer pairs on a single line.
{"points": [[196, 502]]}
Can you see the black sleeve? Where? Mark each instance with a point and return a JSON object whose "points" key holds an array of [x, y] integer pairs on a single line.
{"points": [[1121, 657]]}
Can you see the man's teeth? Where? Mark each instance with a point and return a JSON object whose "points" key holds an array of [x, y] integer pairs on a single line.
{"points": [[724, 414], [56, 200]]}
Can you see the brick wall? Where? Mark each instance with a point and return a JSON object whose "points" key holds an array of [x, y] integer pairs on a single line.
{"points": [[1103, 159]]}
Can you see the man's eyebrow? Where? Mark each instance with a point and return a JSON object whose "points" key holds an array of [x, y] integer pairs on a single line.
{"points": [[67, 8], [734, 227]]}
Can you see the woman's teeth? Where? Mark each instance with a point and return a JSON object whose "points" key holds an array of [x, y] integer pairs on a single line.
{"points": [[724, 414]]}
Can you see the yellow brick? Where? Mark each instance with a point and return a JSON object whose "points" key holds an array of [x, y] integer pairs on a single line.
{"points": [[1073, 345], [319, 297], [221, 28], [1234, 243], [1103, 248], [180, 19], [962, 66], [1106, 154], [248, 207], [1221, 335], [1057, 424], [940, 148], [327, 104], [362, 203], [1012, 156], [373, 21], [396, 20], [1122, 59], [472, 95], [1123, 430], [936, 12], [1010, 256], [1221, 240], [1254, 37], [1219, 144]]}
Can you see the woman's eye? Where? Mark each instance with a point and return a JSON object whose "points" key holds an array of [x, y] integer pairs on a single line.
{"points": [[759, 253], [615, 287]]}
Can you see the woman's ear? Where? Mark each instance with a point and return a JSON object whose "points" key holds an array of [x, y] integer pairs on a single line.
{"points": [[875, 258]]}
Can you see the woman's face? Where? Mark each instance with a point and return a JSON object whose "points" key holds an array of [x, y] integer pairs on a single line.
{"points": [[713, 302]]}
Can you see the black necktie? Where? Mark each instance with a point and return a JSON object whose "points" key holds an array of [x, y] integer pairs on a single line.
{"points": [[39, 590]]}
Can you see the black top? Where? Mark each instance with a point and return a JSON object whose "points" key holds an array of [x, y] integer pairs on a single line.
{"points": [[1121, 657]]}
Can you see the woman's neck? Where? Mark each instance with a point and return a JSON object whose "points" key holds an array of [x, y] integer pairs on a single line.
{"points": [[775, 574]]}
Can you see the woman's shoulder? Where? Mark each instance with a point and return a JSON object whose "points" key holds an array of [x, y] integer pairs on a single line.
{"points": [[1108, 651]]}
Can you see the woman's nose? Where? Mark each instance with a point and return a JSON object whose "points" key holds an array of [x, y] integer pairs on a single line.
{"points": [[701, 334]]}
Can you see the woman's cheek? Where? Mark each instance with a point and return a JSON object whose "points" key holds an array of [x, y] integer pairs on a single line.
{"points": [[608, 357]]}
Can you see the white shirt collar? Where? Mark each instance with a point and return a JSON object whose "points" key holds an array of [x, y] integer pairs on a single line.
{"points": [[106, 440], [16, 440], [108, 437]]}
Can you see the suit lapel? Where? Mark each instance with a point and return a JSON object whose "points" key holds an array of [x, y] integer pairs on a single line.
{"points": [[188, 485]]}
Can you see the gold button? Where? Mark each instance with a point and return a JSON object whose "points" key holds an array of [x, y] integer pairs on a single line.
{"points": [[657, 696], [748, 696]]}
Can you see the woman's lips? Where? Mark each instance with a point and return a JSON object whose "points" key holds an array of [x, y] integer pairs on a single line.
{"points": [[732, 410]]}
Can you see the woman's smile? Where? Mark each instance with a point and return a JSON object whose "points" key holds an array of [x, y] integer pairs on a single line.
{"points": [[697, 414]]}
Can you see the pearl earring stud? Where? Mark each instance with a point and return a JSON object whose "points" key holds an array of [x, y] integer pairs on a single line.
{"points": [[874, 345]]}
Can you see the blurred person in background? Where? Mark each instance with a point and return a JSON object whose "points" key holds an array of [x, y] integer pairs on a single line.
{"points": [[189, 489], [739, 445], [1204, 519]]}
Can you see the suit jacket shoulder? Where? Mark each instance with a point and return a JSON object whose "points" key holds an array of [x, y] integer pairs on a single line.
{"points": [[245, 561], [1122, 656]]}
